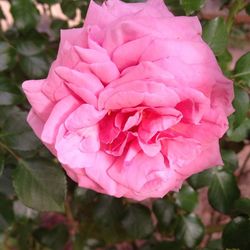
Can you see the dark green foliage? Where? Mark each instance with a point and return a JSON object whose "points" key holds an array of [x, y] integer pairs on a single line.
{"points": [[237, 234], [223, 191]]}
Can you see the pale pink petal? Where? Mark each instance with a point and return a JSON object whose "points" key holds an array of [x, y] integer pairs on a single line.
{"points": [[37, 125], [209, 157], [129, 53], [150, 149], [35, 122], [84, 116], [136, 173], [70, 150], [57, 117], [110, 10], [80, 177], [85, 85], [91, 55], [40, 103], [98, 173], [131, 94], [182, 151], [187, 51], [106, 71]]}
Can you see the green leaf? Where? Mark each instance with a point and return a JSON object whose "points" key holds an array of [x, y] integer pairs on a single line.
{"points": [[6, 186], [175, 7], [25, 14], [7, 56], [215, 34], [165, 212], [55, 238], [163, 245], [56, 26], [248, 9], [242, 70], [108, 209], [107, 215], [225, 60], [215, 245], [190, 230], [36, 66], [48, 1], [230, 160], [30, 47], [241, 105], [240, 133], [191, 6], [19, 137], [69, 8], [236, 234], [40, 184], [9, 93], [223, 191], [187, 198], [242, 206], [137, 222], [1, 164], [22, 232], [6, 213], [200, 180], [2, 16]]}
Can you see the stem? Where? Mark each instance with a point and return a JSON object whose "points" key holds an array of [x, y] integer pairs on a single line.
{"points": [[72, 223], [235, 8], [215, 229], [5, 147], [242, 74], [244, 165]]}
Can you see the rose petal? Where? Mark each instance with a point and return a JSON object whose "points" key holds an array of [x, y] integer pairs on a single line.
{"points": [[58, 115], [85, 85], [84, 116], [40, 103]]}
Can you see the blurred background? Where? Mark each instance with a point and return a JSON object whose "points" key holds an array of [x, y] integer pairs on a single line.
{"points": [[211, 211]]}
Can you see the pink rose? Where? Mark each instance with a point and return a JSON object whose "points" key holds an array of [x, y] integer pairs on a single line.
{"points": [[135, 102]]}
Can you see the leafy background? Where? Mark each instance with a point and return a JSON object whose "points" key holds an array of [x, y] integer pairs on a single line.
{"points": [[41, 209]]}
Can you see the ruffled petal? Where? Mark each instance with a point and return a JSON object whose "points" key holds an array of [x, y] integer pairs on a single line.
{"points": [[40, 103]]}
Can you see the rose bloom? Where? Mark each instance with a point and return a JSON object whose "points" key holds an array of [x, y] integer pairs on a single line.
{"points": [[135, 102]]}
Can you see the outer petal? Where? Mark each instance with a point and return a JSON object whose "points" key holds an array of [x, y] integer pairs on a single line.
{"points": [[58, 115], [136, 173], [77, 150], [37, 125], [40, 103], [99, 174], [103, 15], [79, 176], [188, 157]]}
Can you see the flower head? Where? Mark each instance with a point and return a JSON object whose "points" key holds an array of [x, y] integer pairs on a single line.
{"points": [[135, 102]]}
